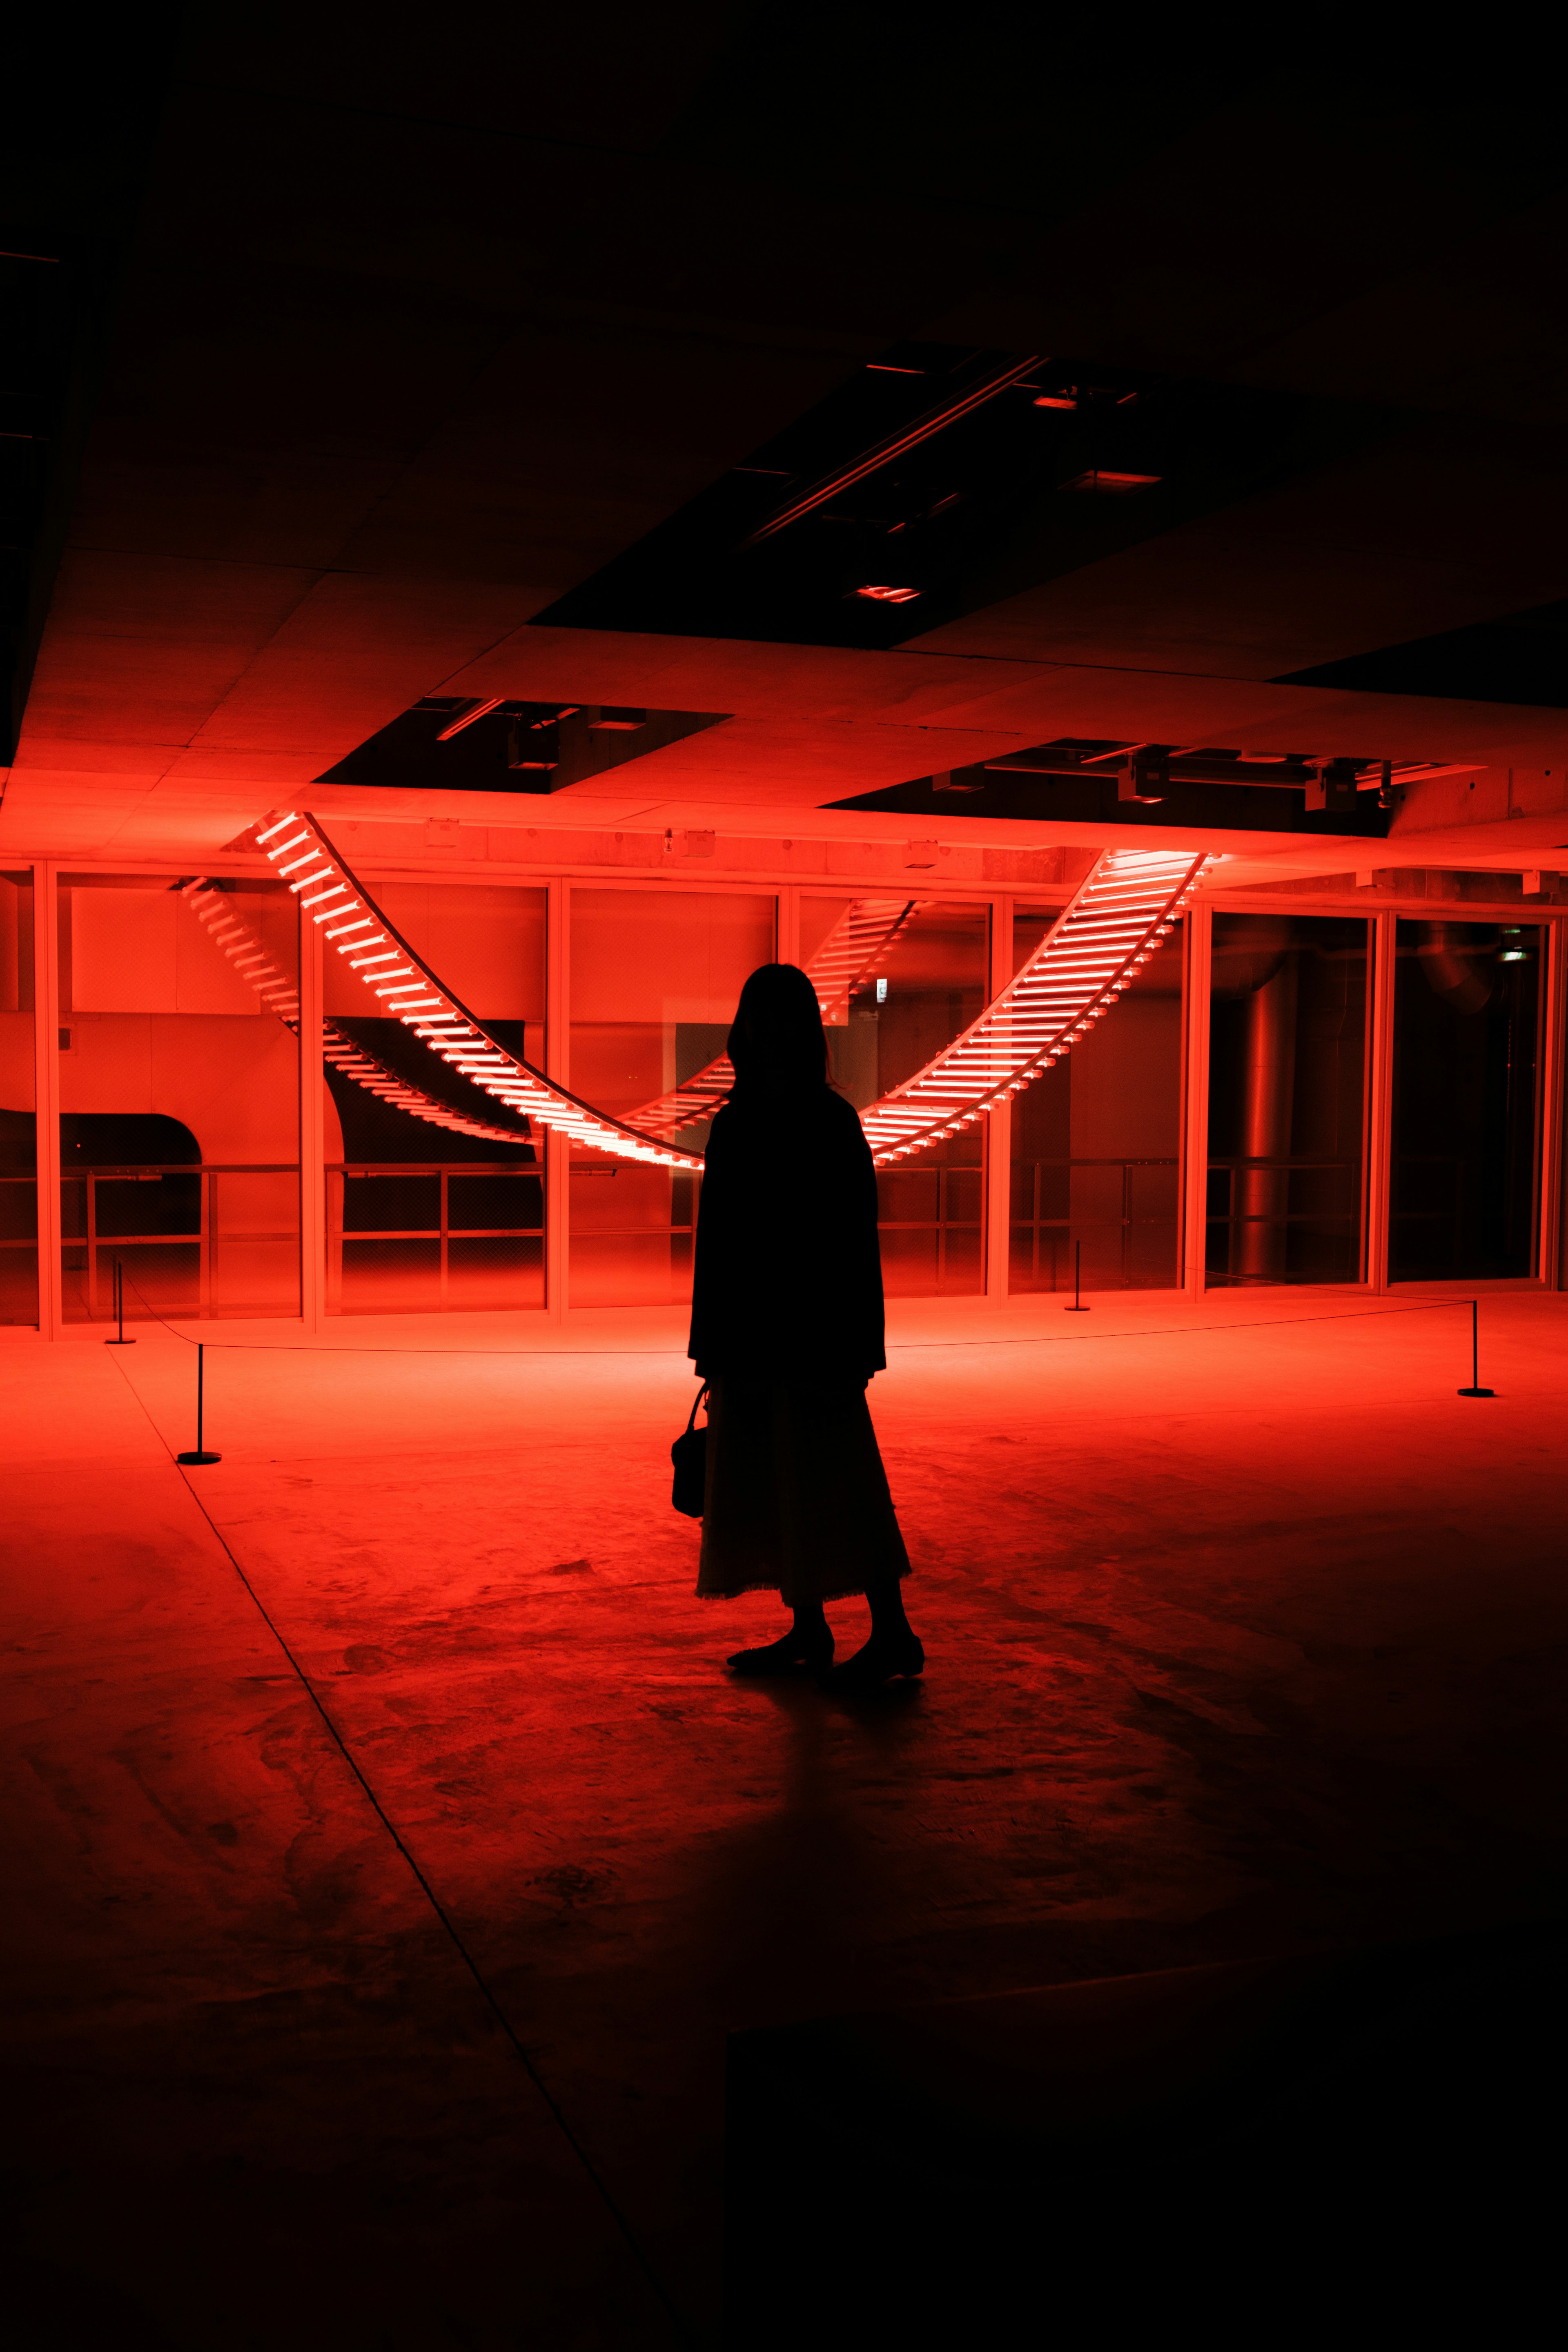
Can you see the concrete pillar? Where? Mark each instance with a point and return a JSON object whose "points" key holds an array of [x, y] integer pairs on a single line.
{"points": [[1268, 1104], [46, 1096], [999, 1209], [1194, 1147], [312, 1129], [1380, 1100], [557, 1065]]}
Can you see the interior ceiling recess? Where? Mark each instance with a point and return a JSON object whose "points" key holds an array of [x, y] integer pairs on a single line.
{"points": [[940, 479], [497, 743], [457, 743], [1090, 957]]}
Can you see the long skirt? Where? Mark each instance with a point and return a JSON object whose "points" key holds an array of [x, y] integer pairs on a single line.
{"points": [[796, 1496]]}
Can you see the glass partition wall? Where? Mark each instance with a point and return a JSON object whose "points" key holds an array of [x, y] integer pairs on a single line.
{"points": [[179, 1104], [920, 990], [1096, 1142], [177, 1134], [1288, 1004], [421, 1219], [18, 1106], [655, 975], [1465, 1182]]}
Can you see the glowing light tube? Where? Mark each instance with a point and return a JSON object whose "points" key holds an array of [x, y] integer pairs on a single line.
{"points": [[1088, 957], [433, 1015]]}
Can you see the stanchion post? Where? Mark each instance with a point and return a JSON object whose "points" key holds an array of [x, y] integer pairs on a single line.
{"points": [[120, 1312], [1475, 1389], [200, 1455], [1077, 1307]]}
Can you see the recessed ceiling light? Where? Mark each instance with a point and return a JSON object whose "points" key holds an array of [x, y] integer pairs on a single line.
{"points": [[477, 708], [1055, 400], [890, 596]]}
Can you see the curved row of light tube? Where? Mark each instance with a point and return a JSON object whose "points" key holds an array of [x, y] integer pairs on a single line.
{"points": [[403, 985], [1115, 921], [1088, 957], [214, 909]]}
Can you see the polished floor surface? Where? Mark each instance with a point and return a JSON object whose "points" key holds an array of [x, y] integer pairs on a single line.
{"points": [[388, 1854]]}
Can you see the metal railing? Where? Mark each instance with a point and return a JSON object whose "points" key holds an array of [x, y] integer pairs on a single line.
{"points": [[1239, 1224], [1053, 1232], [944, 1224], [26, 1186], [18, 1284], [443, 1231], [941, 1227], [613, 1171], [205, 1239], [1462, 1215]]}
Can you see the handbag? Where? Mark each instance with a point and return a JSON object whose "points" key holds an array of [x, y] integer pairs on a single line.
{"points": [[689, 1455]]}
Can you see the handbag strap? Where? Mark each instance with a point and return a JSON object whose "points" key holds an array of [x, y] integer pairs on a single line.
{"points": [[697, 1400]]}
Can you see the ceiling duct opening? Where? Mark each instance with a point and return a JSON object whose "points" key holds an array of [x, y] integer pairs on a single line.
{"points": [[496, 743], [1076, 780], [941, 479]]}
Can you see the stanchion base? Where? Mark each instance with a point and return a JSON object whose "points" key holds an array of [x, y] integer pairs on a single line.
{"points": [[119, 1343], [1475, 1392], [1074, 1310], [198, 1458]]}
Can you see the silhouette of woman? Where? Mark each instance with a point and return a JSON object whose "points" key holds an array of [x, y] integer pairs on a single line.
{"points": [[786, 1325]]}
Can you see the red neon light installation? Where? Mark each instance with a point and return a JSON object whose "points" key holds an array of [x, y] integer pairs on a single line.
{"points": [[401, 984], [215, 911], [1128, 905], [1119, 915]]}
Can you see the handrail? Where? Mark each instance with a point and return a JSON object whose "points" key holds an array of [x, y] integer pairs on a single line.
{"points": [[110, 1171]]}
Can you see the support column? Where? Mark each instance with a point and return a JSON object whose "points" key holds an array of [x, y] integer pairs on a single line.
{"points": [[1380, 1101], [999, 1209], [1553, 1074], [312, 1129], [46, 1096], [1193, 1173], [1263, 1194], [557, 1065], [788, 928]]}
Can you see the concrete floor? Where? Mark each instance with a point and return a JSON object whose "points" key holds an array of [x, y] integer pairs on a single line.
{"points": [[1246, 1634]]}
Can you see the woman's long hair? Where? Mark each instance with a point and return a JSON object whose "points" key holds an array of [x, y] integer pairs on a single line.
{"points": [[777, 1043]]}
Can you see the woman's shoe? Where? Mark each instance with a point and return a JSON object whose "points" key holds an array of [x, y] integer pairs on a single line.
{"points": [[882, 1657], [794, 1654]]}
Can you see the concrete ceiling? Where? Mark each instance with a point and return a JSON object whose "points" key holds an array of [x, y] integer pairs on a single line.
{"points": [[407, 342]]}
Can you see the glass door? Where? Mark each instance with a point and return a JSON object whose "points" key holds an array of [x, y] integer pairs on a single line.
{"points": [[655, 979], [1287, 1063], [914, 997], [179, 1098], [1465, 1196], [1095, 1140], [18, 1120]]}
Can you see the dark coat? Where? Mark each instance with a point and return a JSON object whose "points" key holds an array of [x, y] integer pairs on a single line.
{"points": [[788, 1277]]}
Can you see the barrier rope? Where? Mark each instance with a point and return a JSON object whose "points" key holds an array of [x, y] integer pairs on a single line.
{"points": [[1007, 1339]]}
